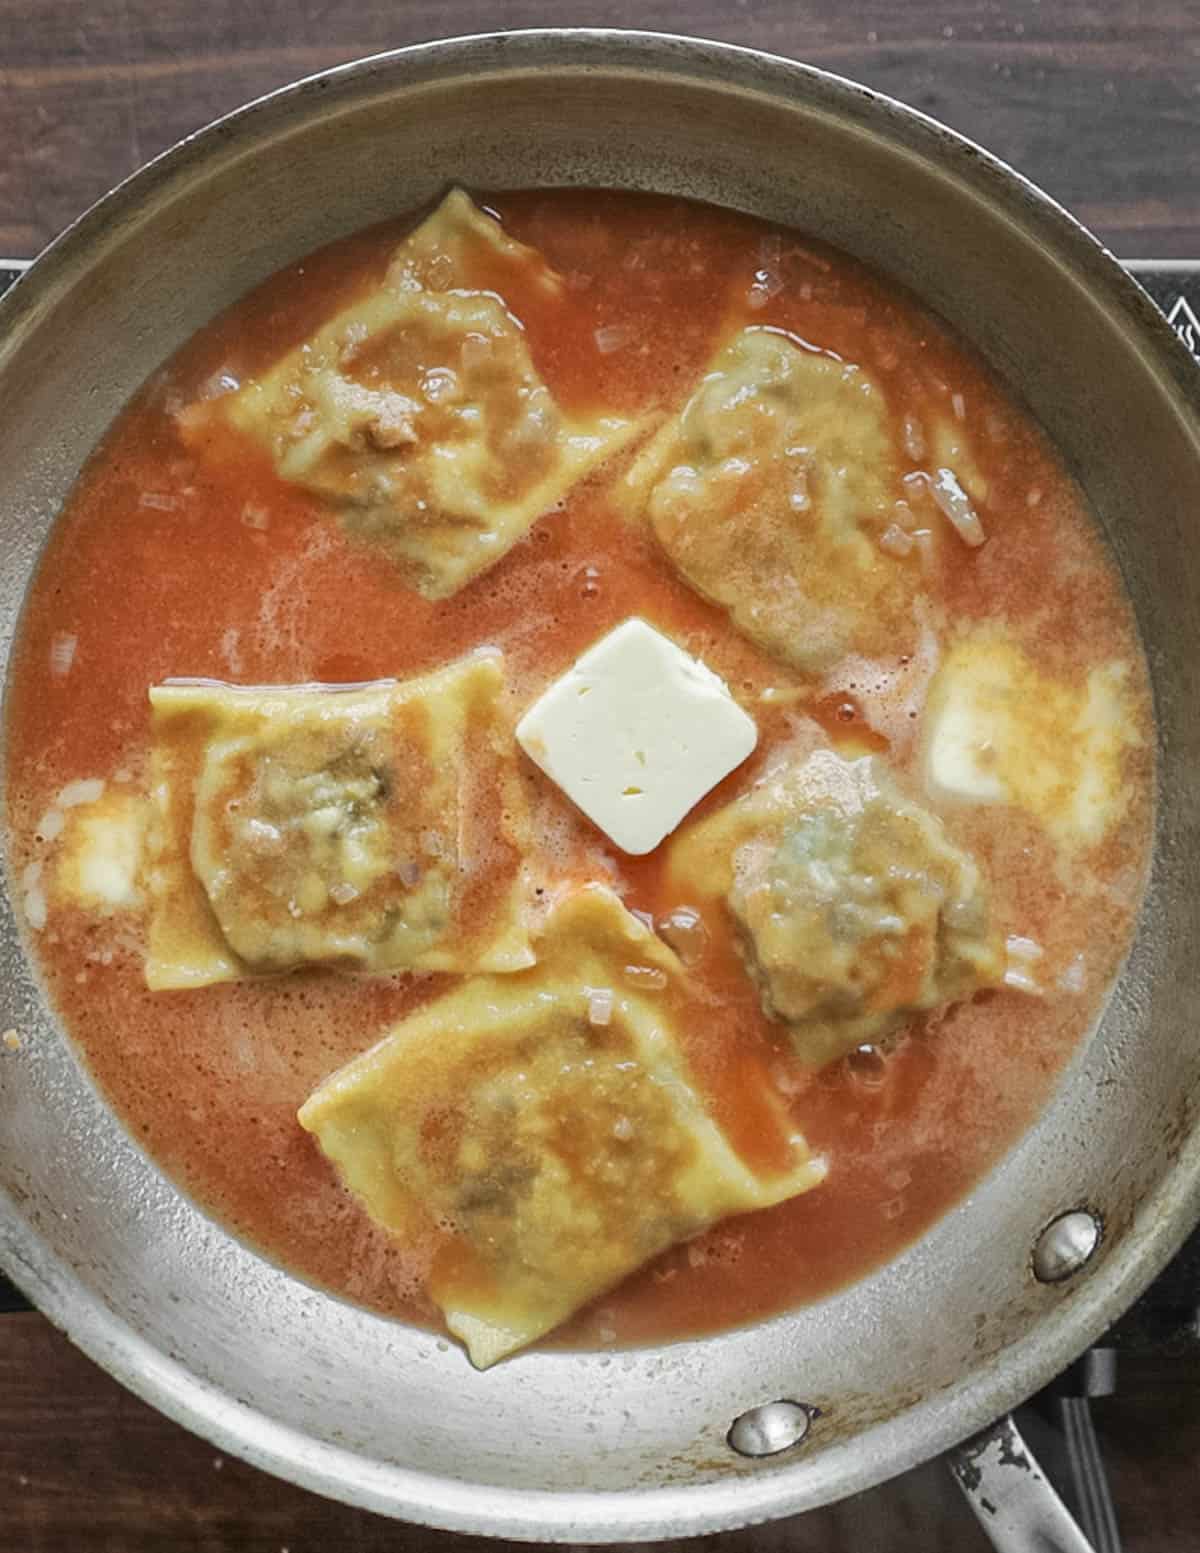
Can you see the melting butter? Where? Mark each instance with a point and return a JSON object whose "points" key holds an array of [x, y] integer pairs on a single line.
{"points": [[100, 854], [999, 730]]}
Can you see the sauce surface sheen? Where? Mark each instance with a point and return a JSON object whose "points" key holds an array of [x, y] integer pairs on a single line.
{"points": [[166, 564]]}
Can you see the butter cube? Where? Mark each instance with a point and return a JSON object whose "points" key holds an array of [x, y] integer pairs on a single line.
{"points": [[636, 733]]}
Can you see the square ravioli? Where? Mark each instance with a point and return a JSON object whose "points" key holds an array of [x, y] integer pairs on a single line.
{"points": [[375, 828], [769, 493], [548, 1125], [418, 412], [854, 909]]}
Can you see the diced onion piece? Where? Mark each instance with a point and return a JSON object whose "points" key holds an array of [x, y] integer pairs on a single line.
{"points": [[1074, 977], [34, 898], [87, 790], [914, 438], [254, 516], [683, 928], [600, 1001], [956, 505], [895, 541], [647, 977], [1023, 954], [433, 843], [157, 501], [440, 385], [342, 893], [953, 503], [220, 383], [538, 424], [612, 337], [767, 283], [62, 653], [352, 341]]}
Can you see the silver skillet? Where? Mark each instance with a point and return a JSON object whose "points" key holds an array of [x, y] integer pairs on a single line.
{"points": [[943, 1340]]}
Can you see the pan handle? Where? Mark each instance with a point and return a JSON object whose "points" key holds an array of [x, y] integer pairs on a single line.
{"points": [[1011, 1496]]}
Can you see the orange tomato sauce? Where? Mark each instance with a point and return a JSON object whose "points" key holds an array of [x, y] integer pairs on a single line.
{"points": [[167, 564]]}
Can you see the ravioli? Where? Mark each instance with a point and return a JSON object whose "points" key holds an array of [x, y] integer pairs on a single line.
{"points": [[418, 413], [374, 828], [547, 1123], [854, 909], [1000, 730], [769, 493]]}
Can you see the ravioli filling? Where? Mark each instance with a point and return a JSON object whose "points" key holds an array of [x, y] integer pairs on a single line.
{"points": [[377, 828], [418, 412], [556, 1147], [854, 909]]}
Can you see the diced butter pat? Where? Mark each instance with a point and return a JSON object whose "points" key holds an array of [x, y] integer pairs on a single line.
{"points": [[1000, 731], [962, 746], [101, 856], [636, 733]]}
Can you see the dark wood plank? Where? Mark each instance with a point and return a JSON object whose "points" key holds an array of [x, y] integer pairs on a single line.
{"points": [[85, 1465], [1150, 1436], [1095, 99]]}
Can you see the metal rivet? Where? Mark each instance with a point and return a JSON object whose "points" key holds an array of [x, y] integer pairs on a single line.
{"points": [[770, 1428], [1065, 1245]]}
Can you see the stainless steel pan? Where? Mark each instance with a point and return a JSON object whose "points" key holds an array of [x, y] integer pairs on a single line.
{"points": [[632, 1445]]}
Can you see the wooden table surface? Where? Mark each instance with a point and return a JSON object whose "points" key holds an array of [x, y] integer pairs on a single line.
{"points": [[1097, 100]]}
